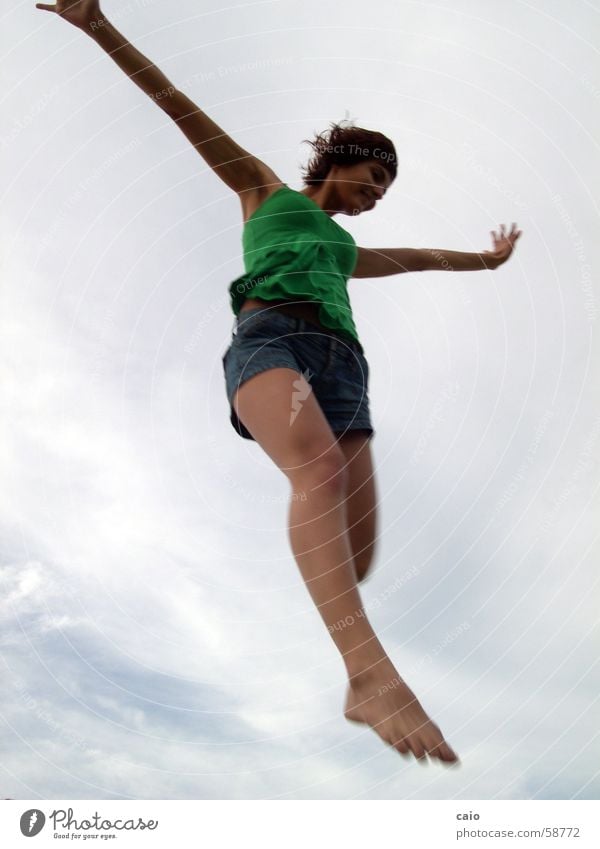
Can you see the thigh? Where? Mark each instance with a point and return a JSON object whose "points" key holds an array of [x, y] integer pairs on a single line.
{"points": [[280, 411], [271, 394], [263, 339]]}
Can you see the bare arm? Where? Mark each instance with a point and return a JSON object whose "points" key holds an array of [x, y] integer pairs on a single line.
{"points": [[234, 165], [379, 262]]}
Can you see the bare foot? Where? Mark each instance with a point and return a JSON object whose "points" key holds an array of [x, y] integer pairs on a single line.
{"points": [[384, 701]]}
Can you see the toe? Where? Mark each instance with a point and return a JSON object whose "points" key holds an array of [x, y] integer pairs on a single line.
{"points": [[437, 747], [401, 747], [419, 752], [442, 751], [448, 755]]}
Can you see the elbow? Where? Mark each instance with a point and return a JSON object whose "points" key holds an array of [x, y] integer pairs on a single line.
{"points": [[420, 260]]}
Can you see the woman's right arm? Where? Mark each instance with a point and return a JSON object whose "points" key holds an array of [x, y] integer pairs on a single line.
{"points": [[235, 166]]}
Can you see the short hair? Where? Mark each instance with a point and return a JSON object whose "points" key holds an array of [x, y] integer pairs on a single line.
{"points": [[348, 145]]}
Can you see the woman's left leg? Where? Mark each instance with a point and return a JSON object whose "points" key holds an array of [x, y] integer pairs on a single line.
{"points": [[361, 500]]}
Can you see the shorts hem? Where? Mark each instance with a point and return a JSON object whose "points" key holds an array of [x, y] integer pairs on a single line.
{"points": [[337, 428], [259, 370]]}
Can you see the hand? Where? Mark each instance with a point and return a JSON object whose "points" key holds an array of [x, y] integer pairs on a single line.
{"points": [[503, 244], [79, 13]]}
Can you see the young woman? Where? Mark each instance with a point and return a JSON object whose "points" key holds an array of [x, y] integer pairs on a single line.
{"points": [[295, 371]]}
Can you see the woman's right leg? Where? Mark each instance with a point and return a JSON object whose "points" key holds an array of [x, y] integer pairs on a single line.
{"points": [[306, 450]]}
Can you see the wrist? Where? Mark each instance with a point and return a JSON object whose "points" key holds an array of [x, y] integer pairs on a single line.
{"points": [[490, 261]]}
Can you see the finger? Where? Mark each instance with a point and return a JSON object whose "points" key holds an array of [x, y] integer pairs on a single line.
{"points": [[45, 7]]}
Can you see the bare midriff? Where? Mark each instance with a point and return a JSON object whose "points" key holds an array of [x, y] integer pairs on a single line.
{"points": [[297, 309]]}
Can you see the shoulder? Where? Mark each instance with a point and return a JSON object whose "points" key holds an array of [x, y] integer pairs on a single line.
{"points": [[266, 184]]}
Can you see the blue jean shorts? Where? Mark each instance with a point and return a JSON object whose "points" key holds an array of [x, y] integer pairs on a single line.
{"points": [[335, 368]]}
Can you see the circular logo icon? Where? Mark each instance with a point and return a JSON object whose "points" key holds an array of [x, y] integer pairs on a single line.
{"points": [[32, 822]]}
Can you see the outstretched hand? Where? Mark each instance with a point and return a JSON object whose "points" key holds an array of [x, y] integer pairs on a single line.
{"points": [[79, 13], [504, 244]]}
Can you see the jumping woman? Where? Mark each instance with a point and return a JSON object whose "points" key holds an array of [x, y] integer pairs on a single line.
{"points": [[295, 371]]}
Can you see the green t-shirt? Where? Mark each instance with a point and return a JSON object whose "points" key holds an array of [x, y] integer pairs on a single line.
{"points": [[294, 251]]}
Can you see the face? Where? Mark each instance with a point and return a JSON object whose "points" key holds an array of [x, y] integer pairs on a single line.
{"points": [[360, 186]]}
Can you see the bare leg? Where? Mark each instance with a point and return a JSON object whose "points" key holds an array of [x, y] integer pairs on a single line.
{"points": [[311, 459], [377, 696]]}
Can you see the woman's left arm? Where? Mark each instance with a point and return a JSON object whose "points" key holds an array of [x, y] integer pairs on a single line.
{"points": [[378, 262]]}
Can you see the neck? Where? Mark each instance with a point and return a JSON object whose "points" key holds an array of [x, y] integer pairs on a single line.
{"points": [[322, 196]]}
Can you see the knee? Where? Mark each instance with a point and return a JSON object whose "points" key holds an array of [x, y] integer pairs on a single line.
{"points": [[326, 476]]}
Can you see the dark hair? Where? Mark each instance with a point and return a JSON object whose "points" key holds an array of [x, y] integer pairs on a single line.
{"points": [[346, 146]]}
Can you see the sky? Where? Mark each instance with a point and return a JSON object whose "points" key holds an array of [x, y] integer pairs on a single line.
{"points": [[157, 640]]}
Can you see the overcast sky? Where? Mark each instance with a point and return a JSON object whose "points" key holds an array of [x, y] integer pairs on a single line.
{"points": [[157, 638]]}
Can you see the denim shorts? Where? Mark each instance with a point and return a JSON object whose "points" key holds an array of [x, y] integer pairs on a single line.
{"points": [[335, 368]]}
